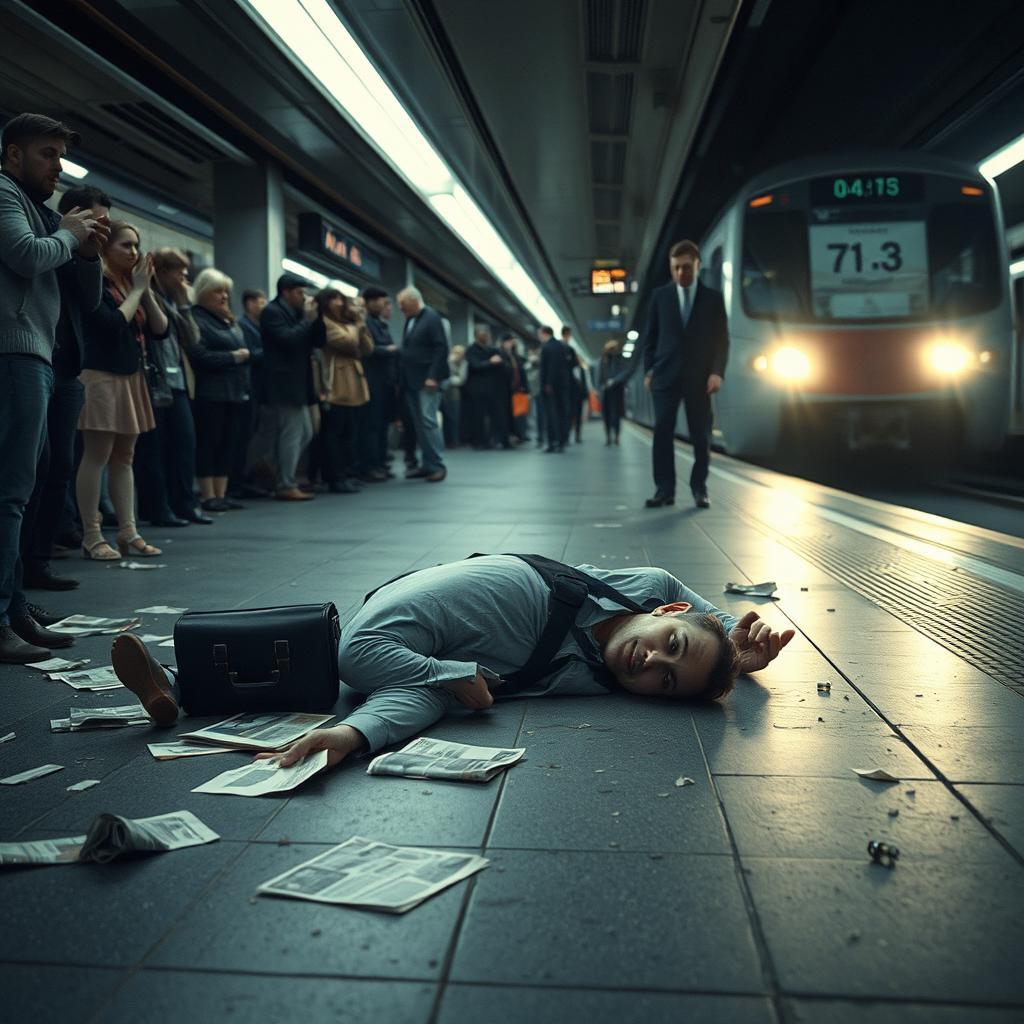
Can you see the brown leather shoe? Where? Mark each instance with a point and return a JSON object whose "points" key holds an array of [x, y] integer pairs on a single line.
{"points": [[415, 472], [437, 476], [293, 494], [142, 674]]}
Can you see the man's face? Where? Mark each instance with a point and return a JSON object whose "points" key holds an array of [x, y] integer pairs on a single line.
{"points": [[294, 297], [684, 269], [660, 654], [36, 163], [409, 306]]}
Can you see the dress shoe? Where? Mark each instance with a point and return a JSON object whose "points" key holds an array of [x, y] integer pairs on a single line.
{"points": [[248, 490], [168, 521], [41, 615], [139, 671], [214, 505], [701, 499], [235, 506], [41, 577], [344, 487], [659, 500], [14, 650], [293, 494], [415, 473], [374, 476], [197, 516], [437, 476], [33, 633]]}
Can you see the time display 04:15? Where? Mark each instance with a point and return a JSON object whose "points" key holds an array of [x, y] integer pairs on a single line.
{"points": [[881, 187]]}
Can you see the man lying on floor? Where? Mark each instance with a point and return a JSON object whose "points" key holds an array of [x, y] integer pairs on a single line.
{"points": [[493, 627]]}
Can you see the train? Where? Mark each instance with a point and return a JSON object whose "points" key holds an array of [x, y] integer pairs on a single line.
{"points": [[870, 305]]}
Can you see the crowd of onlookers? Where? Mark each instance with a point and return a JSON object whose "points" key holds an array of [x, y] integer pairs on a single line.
{"points": [[132, 392]]}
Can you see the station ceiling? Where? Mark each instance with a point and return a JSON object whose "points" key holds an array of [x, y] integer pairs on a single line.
{"points": [[588, 130]]}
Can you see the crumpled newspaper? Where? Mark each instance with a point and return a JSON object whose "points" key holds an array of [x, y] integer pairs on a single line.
{"points": [[142, 565], [766, 589]]}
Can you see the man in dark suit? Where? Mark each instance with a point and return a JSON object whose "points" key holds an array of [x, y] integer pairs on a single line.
{"points": [[685, 349], [381, 369], [291, 330], [555, 386], [424, 366]]}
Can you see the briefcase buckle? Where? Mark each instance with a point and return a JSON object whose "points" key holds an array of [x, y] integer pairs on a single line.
{"points": [[221, 664], [282, 659]]}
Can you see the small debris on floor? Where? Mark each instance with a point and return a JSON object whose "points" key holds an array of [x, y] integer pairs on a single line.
{"points": [[845, 697], [804, 589], [138, 566], [830, 609], [657, 856], [684, 780], [853, 937], [883, 853], [875, 774], [661, 794], [284, 841], [613, 844], [316, 933], [598, 771], [78, 787], [954, 817], [766, 589], [894, 812], [820, 719], [615, 814], [7, 738], [910, 792], [824, 687], [426, 792]]}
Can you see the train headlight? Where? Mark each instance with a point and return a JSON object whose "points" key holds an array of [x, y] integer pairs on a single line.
{"points": [[948, 358], [790, 364]]}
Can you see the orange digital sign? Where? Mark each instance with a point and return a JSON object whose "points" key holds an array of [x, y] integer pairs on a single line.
{"points": [[609, 281]]}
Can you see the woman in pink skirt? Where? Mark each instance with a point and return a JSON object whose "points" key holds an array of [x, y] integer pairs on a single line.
{"points": [[117, 407]]}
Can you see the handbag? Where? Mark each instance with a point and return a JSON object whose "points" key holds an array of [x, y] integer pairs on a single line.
{"points": [[160, 394], [520, 404], [260, 659]]}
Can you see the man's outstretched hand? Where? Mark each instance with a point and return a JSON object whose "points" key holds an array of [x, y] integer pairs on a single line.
{"points": [[757, 642], [339, 742]]}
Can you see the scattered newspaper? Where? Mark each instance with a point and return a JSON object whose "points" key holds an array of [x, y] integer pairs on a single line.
{"points": [[160, 609], [58, 664], [104, 678], [80, 719], [169, 642], [153, 638], [171, 750], [752, 589], [138, 566], [253, 731], [110, 836], [258, 778], [89, 625], [426, 758], [85, 784], [7, 739], [32, 773], [375, 876]]}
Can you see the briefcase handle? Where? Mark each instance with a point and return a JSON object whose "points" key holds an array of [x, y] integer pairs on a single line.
{"points": [[281, 659]]}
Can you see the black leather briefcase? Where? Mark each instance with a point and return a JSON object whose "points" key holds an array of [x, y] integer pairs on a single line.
{"points": [[260, 659]]}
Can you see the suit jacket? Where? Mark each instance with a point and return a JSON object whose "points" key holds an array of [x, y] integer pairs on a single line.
{"points": [[554, 368], [288, 343], [484, 376], [678, 356], [425, 351], [380, 366]]}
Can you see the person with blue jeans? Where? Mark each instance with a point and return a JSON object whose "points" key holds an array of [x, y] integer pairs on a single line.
{"points": [[34, 243], [424, 367]]}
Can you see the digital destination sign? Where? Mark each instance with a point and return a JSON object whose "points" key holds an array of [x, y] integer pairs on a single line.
{"points": [[609, 281], [319, 235], [869, 187]]}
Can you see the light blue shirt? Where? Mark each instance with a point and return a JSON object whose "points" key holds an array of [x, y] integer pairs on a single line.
{"points": [[447, 622], [686, 297]]}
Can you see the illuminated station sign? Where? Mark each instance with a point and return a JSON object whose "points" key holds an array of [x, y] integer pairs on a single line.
{"points": [[318, 235], [609, 281]]}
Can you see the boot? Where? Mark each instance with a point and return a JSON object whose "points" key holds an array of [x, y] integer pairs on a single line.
{"points": [[14, 650]]}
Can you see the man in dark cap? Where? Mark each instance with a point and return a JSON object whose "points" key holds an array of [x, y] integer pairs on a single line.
{"points": [[291, 330]]}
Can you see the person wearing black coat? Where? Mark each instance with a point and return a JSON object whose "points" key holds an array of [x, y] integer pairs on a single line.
{"points": [[685, 349], [291, 330], [486, 392], [555, 386], [220, 360], [612, 373], [424, 367], [381, 369]]}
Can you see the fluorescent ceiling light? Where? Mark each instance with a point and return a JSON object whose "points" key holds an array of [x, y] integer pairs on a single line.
{"points": [[314, 277], [71, 169], [1003, 159], [1017, 268], [321, 43], [633, 335]]}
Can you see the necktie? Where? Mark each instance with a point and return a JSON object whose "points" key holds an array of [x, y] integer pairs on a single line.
{"points": [[686, 306]]}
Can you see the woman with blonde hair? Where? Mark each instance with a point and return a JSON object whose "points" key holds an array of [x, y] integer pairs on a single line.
{"points": [[220, 360], [611, 382], [117, 407], [345, 391]]}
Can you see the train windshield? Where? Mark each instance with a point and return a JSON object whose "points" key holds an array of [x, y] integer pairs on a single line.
{"points": [[871, 247]]}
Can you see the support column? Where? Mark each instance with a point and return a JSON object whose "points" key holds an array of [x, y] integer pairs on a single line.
{"points": [[248, 225]]}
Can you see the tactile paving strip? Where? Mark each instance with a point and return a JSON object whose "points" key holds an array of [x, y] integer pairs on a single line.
{"points": [[976, 620]]}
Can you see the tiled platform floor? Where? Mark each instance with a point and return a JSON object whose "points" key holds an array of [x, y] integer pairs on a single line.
{"points": [[747, 897]]}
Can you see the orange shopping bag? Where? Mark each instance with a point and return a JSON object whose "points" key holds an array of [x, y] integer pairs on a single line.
{"points": [[520, 404]]}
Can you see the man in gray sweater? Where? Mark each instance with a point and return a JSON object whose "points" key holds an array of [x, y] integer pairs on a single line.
{"points": [[34, 243]]}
